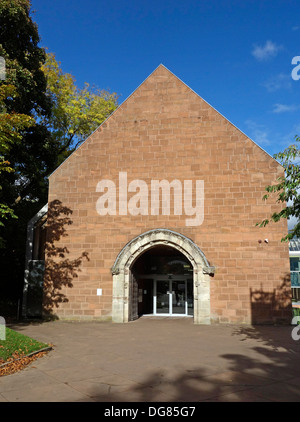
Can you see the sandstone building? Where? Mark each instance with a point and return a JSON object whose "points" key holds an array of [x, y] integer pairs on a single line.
{"points": [[155, 214]]}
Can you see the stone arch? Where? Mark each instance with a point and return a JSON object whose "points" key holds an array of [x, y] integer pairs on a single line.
{"points": [[121, 272]]}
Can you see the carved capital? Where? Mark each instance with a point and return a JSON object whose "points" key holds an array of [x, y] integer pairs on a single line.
{"points": [[115, 271], [209, 270]]}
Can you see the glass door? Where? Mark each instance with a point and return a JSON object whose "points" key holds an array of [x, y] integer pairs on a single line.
{"points": [[179, 297], [170, 297], [190, 297], [162, 289]]}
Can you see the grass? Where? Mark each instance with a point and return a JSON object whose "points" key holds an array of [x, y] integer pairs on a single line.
{"points": [[17, 345]]}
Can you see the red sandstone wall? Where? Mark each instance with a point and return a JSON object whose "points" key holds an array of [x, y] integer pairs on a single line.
{"points": [[165, 131]]}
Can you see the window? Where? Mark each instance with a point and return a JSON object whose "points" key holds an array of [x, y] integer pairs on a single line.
{"points": [[39, 240], [295, 277], [295, 271]]}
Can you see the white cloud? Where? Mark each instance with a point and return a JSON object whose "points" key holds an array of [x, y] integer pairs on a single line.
{"points": [[295, 28], [269, 50], [280, 81], [289, 138], [282, 108], [258, 133]]}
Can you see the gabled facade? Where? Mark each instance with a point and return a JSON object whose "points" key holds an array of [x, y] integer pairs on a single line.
{"points": [[156, 212]]}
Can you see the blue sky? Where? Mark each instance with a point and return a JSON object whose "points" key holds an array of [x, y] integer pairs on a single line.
{"points": [[236, 54]]}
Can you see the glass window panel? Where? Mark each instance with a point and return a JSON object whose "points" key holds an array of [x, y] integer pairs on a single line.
{"points": [[168, 265], [190, 297], [162, 297], [295, 263], [178, 297], [295, 279]]}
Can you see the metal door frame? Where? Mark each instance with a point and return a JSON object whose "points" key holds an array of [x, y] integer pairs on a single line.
{"points": [[170, 279]]}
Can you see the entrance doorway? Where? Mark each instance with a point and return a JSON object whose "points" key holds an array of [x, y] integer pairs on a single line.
{"points": [[173, 297], [128, 269], [161, 284]]}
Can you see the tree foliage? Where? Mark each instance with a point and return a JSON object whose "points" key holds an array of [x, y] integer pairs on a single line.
{"points": [[22, 94], [43, 118], [19, 39], [11, 127], [75, 113], [24, 88], [287, 189]]}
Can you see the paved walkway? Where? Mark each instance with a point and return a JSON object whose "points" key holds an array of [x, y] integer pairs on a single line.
{"points": [[158, 360]]}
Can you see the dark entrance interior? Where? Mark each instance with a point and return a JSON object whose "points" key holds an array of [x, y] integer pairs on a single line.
{"points": [[161, 284]]}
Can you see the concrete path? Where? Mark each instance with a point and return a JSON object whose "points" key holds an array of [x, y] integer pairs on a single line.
{"points": [[158, 360]]}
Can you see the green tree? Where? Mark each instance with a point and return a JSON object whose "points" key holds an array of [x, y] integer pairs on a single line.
{"points": [[76, 113], [26, 147], [43, 118], [24, 142], [11, 125], [287, 189]]}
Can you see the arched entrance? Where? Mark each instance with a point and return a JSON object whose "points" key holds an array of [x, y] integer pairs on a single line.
{"points": [[161, 284], [125, 284]]}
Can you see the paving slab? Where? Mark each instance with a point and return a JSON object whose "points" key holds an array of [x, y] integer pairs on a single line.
{"points": [[157, 360]]}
